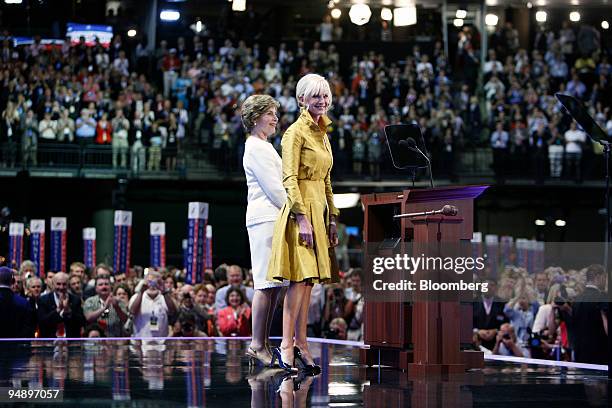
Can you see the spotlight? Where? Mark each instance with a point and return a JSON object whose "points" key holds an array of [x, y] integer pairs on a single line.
{"points": [[131, 33], [529, 4], [405, 16], [605, 25], [458, 22], [386, 14], [336, 13], [560, 223], [541, 16], [169, 15], [331, 4], [198, 26], [540, 223], [239, 5], [461, 14], [574, 16], [360, 14], [491, 20], [13, 1]]}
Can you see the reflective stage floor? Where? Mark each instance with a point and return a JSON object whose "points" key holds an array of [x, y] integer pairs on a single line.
{"points": [[216, 374]]}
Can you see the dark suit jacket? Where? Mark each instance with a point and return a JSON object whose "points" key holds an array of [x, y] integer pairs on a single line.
{"points": [[586, 327], [493, 320], [48, 318], [16, 314]]}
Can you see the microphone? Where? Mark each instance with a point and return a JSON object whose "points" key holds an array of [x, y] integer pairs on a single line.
{"points": [[411, 144], [448, 210]]}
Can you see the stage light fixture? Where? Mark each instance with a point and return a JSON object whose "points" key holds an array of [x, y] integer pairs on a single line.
{"points": [[605, 25], [199, 26], [541, 16], [131, 33], [169, 15], [540, 223], [560, 223], [386, 14], [458, 22], [461, 14], [574, 16], [491, 20], [336, 13], [239, 5], [13, 1], [347, 200], [360, 14], [405, 16]]}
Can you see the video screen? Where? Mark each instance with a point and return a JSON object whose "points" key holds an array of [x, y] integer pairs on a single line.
{"points": [[90, 32]]}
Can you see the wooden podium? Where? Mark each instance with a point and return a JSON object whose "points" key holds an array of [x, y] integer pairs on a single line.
{"points": [[421, 337]]}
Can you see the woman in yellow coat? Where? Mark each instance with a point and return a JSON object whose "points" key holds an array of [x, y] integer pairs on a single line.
{"points": [[306, 227]]}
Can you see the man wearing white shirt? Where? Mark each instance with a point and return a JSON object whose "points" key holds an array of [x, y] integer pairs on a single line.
{"points": [[574, 138], [47, 129], [151, 308]]}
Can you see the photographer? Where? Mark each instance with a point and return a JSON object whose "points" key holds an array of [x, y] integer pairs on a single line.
{"points": [[518, 311], [506, 342], [150, 308], [204, 322], [185, 326], [337, 305]]}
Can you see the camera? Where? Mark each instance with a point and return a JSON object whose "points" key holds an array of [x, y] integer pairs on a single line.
{"points": [[535, 340], [506, 337]]}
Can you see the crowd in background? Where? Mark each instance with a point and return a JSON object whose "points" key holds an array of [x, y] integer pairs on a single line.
{"points": [[159, 303], [155, 109]]}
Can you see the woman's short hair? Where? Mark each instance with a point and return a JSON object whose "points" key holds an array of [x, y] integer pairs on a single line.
{"points": [[124, 287], [254, 107], [312, 84], [235, 290]]}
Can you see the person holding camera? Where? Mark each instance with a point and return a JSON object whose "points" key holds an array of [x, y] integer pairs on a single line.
{"points": [[204, 322], [337, 305], [519, 312], [151, 308], [186, 326], [104, 309], [506, 342]]}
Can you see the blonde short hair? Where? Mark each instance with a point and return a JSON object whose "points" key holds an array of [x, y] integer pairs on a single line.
{"points": [[254, 107], [312, 84]]}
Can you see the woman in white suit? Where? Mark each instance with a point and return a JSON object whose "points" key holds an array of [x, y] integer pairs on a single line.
{"points": [[266, 195]]}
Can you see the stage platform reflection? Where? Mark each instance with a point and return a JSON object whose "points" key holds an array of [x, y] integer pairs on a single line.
{"points": [[215, 373]]}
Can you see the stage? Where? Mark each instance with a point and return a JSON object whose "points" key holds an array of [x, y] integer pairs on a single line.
{"points": [[215, 373]]}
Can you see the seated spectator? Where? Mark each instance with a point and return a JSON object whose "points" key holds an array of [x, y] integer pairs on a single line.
{"points": [[104, 310], [150, 308], [16, 312], [185, 326], [488, 317], [337, 329], [60, 313], [235, 319], [506, 342], [93, 331], [235, 278]]}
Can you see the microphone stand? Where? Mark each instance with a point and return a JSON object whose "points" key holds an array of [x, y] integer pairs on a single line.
{"points": [[416, 149]]}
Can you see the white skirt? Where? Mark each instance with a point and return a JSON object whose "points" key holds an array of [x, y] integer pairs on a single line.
{"points": [[260, 242]]}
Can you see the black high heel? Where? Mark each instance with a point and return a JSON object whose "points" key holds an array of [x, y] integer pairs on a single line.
{"points": [[276, 357], [311, 369]]}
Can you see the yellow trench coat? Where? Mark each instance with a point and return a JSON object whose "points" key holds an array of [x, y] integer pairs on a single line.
{"points": [[307, 162]]}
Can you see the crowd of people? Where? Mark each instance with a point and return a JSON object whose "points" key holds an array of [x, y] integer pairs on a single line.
{"points": [[553, 314], [159, 303], [151, 107]]}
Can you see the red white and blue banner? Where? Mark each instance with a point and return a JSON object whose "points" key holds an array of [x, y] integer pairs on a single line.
{"points": [[158, 244], [89, 247], [492, 246], [184, 246], [15, 244], [196, 242], [58, 244], [123, 241], [37, 245], [208, 254]]}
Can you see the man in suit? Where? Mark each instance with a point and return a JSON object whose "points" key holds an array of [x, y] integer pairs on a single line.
{"points": [[589, 321], [488, 317], [17, 317], [60, 313]]}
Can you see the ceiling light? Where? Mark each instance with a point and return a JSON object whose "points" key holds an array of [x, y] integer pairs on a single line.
{"points": [[169, 15], [131, 33], [360, 14], [404, 16], [336, 13], [13, 1], [198, 26], [560, 223], [461, 13], [540, 223], [541, 16], [239, 5], [574, 16], [491, 20], [331, 4], [386, 14], [605, 25], [529, 4], [458, 22]]}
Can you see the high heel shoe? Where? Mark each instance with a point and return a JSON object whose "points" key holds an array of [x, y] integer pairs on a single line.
{"points": [[259, 357], [277, 358], [312, 369]]}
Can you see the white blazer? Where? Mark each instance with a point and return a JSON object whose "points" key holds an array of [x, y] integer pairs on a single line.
{"points": [[263, 168]]}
